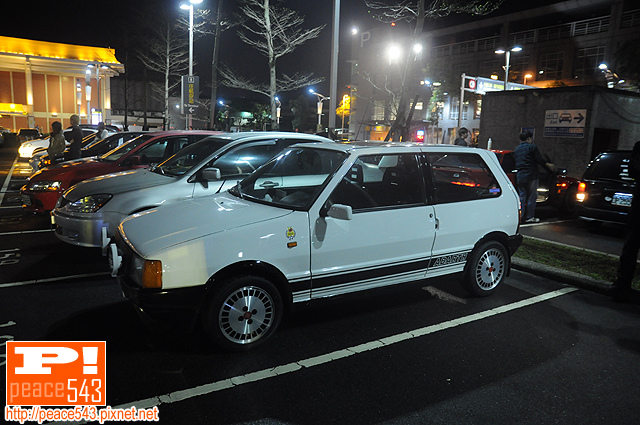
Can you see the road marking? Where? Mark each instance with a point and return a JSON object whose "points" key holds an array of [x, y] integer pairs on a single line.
{"points": [[5, 186], [19, 232], [260, 375], [542, 223], [53, 279]]}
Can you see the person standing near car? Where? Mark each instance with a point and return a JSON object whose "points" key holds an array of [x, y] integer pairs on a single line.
{"points": [[621, 290], [56, 143], [75, 138], [101, 133], [464, 138], [528, 157]]}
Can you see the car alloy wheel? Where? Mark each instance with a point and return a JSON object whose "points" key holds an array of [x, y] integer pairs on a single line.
{"points": [[486, 268], [245, 311]]}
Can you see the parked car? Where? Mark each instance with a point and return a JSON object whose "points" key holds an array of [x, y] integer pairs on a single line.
{"points": [[606, 189], [90, 147], [316, 221], [88, 213], [43, 188], [558, 190], [109, 128], [25, 134], [3, 131], [27, 149]]}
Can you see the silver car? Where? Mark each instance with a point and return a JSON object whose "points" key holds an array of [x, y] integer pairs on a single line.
{"points": [[87, 214]]}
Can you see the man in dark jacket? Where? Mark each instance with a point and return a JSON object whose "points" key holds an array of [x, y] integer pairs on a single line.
{"points": [[528, 158], [75, 138], [621, 290]]}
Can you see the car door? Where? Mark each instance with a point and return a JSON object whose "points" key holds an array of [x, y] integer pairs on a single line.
{"points": [[388, 239], [236, 164], [469, 204]]}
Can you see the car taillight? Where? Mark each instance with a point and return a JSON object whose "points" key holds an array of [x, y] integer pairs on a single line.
{"points": [[581, 195]]}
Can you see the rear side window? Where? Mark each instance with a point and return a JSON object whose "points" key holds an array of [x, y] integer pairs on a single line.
{"points": [[381, 181], [459, 177], [244, 160], [610, 165]]}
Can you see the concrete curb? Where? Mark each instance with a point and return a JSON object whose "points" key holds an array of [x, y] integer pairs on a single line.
{"points": [[560, 275]]}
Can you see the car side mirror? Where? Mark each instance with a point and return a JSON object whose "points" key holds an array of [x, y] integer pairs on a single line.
{"points": [[134, 160], [340, 212], [211, 174]]}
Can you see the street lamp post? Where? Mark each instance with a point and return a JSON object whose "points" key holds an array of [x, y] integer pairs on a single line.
{"points": [[508, 58], [321, 98], [189, 7]]}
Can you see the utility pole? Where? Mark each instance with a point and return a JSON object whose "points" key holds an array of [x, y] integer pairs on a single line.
{"points": [[214, 68]]}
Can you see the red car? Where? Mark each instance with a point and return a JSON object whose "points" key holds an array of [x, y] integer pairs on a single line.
{"points": [[557, 190], [43, 189]]}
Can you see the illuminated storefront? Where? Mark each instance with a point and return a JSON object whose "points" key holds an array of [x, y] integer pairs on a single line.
{"points": [[42, 82]]}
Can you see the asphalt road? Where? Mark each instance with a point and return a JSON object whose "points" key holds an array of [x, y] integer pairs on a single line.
{"points": [[536, 352]]}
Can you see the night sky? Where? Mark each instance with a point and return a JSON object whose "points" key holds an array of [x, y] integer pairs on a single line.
{"points": [[91, 23]]}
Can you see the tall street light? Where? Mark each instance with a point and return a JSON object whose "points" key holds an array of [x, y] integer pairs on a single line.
{"points": [[508, 58], [321, 98], [189, 7]]}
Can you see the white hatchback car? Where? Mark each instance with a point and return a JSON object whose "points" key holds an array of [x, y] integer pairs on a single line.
{"points": [[316, 221], [87, 214]]}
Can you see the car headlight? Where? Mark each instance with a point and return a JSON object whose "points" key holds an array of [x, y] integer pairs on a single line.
{"points": [[45, 185], [88, 204]]}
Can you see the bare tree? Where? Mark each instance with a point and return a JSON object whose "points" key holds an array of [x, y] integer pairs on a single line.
{"points": [[166, 53], [418, 11], [273, 31]]}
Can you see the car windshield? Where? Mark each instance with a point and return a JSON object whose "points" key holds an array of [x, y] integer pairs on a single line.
{"points": [[610, 166], [190, 156], [122, 150], [293, 179]]}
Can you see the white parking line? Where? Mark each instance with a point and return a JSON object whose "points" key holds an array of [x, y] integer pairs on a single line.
{"points": [[53, 279], [260, 375], [19, 232], [5, 186]]}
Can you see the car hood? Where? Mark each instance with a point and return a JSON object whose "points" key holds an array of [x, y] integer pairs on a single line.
{"points": [[123, 181], [65, 167], [173, 224]]}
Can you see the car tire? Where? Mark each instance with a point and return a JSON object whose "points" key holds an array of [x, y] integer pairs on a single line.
{"points": [[569, 205], [486, 268], [243, 313]]}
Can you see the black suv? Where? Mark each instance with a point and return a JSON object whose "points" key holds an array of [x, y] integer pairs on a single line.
{"points": [[606, 189]]}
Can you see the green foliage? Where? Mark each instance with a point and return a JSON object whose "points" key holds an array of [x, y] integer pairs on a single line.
{"points": [[595, 265]]}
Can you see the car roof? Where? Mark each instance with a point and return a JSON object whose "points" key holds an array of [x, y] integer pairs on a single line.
{"points": [[270, 134], [375, 146]]}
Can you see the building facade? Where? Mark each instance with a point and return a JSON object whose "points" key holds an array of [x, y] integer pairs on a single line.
{"points": [[562, 44], [42, 82]]}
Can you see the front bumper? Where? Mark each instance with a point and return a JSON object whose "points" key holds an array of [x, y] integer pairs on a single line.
{"points": [[79, 231], [176, 307], [39, 201]]}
